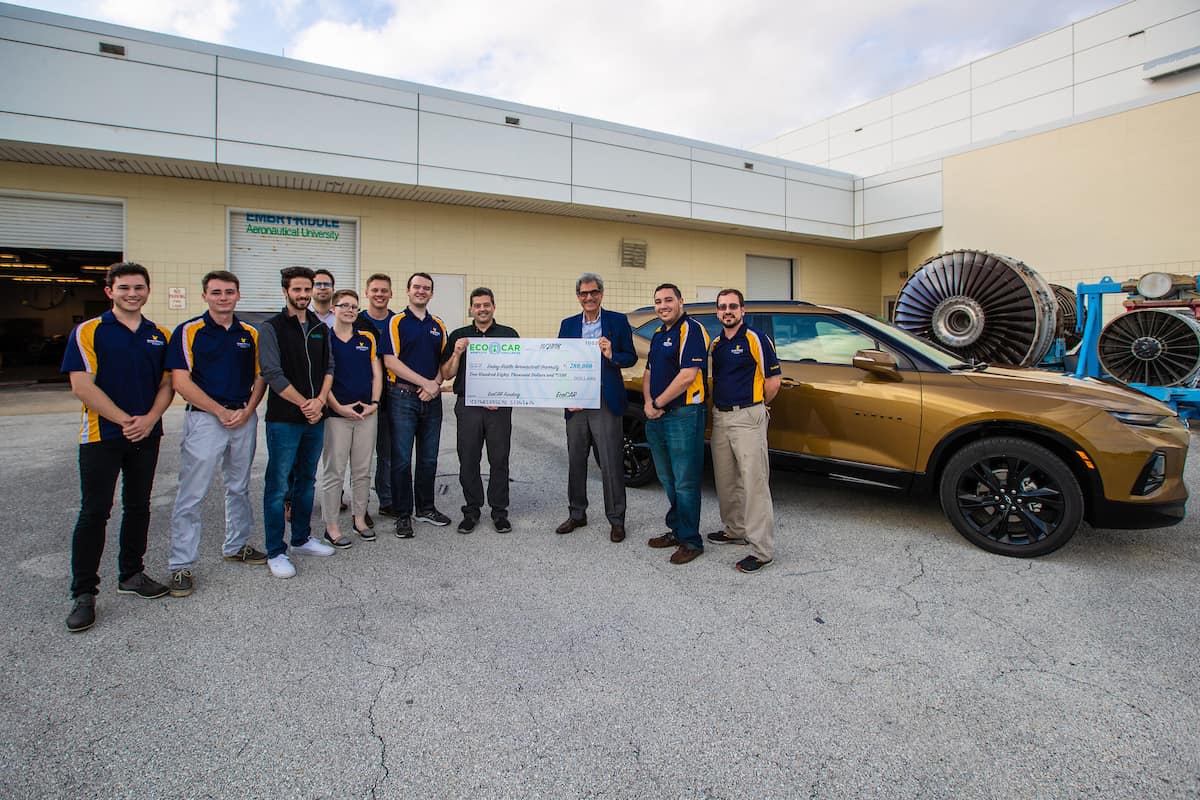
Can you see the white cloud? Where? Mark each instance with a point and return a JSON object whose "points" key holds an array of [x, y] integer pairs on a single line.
{"points": [[714, 70], [207, 20]]}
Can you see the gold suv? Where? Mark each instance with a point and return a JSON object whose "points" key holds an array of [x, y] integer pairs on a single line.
{"points": [[1017, 456]]}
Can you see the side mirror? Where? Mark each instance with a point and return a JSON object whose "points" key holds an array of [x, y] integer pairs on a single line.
{"points": [[878, 363]]}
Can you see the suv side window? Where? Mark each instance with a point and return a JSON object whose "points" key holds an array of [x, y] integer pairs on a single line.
{"points": [[817, 339], [646, 329], [710, 323]]}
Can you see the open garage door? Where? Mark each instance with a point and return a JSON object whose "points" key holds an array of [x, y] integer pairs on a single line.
{"points": [[53, 255]]}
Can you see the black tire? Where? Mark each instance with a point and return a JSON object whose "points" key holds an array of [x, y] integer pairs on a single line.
{"points": [[1012, 497], [638, 463]]}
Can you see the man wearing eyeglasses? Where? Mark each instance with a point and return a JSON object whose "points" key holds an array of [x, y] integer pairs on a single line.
{"points": [[599, 426], [322, 296], [746, 377]]}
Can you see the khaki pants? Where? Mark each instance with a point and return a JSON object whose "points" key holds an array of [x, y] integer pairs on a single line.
{"points": [[742, 470], [347, 440]]}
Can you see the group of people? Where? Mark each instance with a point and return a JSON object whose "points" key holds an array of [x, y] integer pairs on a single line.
{"points": [[344, 383]]}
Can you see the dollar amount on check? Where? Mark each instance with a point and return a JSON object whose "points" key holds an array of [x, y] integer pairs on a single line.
{"points": [[544, 373]]}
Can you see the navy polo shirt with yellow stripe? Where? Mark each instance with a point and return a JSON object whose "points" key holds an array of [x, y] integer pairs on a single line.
{"points": [[740, 366], [419, 343], [127, 366], [353, 377], [682, 346], [223, 361]]}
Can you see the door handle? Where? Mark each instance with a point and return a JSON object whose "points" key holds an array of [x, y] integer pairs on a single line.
{"points": [[789, 382]]}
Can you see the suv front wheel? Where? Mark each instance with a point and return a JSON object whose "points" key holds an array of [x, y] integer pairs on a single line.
{"points": [[638, 463], [1011, 496]]}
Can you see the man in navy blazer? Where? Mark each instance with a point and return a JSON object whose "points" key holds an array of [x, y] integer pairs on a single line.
{"points": [[599, 426]]}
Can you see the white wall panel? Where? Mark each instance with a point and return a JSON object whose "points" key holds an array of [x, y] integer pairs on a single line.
{"points": [[861, 116], [482, 147], [738, 162], [932, 142], [1022, 86], [1123, 86], [804, 137], [307, 162], [494, 184], [1035, 52], [1126, 19], [921, 222], [69, 85], [904, 198], [741, 189], [820, 203], [89, 136], [865, 162], [1020, 116], [494, 115], [1109, 57], [855, 140], [951, 83], [621, 169], [620, 139], [1171, 37], [833, 181], [88, 43], [815, 228], [255, 112], [933, 115], [602, 198], [816, 154], [337, 87], [737, 217]]}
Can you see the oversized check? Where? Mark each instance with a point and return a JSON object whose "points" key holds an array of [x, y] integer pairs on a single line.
{"points": [[545, 373]]}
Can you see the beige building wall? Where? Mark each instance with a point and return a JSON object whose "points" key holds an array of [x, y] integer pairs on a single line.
{"points": [[1114, 196], [177, 228]]}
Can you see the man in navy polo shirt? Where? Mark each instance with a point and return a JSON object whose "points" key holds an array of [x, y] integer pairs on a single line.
{"points": [[746, 376], [213, 360], [673, 389], [412, 353], [378, 315], [117, 364]]}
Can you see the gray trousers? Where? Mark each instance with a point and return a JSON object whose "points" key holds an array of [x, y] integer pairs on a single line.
{"points": [[206, 444], [603, 427]]}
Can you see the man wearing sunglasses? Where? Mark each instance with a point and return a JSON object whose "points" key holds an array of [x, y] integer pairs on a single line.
{"points": [[599, 426]]}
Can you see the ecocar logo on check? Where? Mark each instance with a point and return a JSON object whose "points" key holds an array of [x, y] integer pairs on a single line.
{"points": [[494, 347]]}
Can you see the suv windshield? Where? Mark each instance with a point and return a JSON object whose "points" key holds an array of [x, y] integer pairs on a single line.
{"points": [[943, 358]]}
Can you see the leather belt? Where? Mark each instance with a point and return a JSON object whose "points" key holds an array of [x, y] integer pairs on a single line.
{"points": [[738, 408], [404, 386]]}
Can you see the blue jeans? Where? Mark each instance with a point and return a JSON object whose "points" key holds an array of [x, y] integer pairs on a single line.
{"points": [[676, 441], [419, 423], [290, 445]]}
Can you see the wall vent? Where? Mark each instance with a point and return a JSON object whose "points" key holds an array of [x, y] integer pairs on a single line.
{"points": [[633, 254], [112, 49]]}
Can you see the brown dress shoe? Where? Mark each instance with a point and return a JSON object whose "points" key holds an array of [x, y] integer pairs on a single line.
{"points": [[617, 534], [570, 525], [666, 540], [683, 554]]}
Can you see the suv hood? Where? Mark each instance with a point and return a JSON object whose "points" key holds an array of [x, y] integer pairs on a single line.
{"points": [[1081, 390]]}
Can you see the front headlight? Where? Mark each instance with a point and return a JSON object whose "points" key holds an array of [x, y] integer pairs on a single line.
{"points": [[1132, 418]]}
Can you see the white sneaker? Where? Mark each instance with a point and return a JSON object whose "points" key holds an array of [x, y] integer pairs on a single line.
{"points": [[281, 566], [313, 548]]}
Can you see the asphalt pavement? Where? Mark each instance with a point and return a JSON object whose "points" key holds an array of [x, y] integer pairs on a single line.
{"points": [[881, 656]]}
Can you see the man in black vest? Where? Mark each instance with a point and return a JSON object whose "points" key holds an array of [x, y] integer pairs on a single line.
{"points": [[295, 360]]}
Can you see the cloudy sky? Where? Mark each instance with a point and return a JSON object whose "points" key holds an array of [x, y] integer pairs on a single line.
{"points": [[733, 73]]}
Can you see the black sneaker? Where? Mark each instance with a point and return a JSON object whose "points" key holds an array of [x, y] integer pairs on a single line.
{"points": [[181, 583], [467, 525], [502, 525], [83, 613], [387, 511], [750, 564], [143, 586], [433, 517], [404, 528], [721, 537]]}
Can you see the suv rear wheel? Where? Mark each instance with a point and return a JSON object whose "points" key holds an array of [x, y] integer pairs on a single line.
{"points": [[639, 464], [1011, 496]]}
